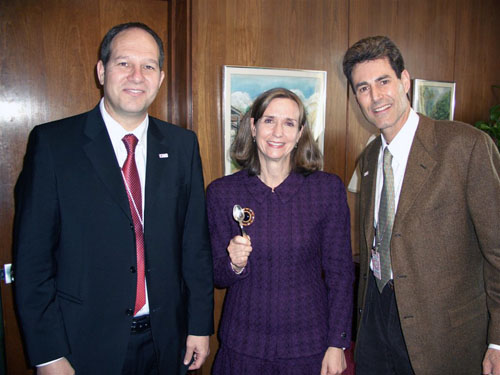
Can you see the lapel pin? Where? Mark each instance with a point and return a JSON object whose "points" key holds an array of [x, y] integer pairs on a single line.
{"points": [[366, 173], [163, 156]]}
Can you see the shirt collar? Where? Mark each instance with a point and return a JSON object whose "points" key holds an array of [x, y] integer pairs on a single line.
{"points": [[401, 144], [117, 132]]}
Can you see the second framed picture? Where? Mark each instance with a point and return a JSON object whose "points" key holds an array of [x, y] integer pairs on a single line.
{"points": [[435, 99], [243, 84]]}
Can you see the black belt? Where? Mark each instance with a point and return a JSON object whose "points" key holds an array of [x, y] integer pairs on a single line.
{"points": [[140, 324]]}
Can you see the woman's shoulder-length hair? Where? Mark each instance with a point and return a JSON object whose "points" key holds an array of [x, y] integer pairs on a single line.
{"points": [[305, 158]]}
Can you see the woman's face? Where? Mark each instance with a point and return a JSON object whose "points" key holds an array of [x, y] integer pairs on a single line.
{"points": [[277, 131]]}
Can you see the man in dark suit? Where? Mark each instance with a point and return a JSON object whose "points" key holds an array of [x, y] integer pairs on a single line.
{"points": [[112, 257], [429, 294]]}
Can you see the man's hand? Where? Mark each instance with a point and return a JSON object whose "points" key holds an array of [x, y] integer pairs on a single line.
{"points": [[334, 362], [59, 367], [197, 347], [491, 362]]}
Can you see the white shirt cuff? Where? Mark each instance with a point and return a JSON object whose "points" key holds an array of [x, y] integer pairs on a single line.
{"points": [[48, 363], [494, 346]]}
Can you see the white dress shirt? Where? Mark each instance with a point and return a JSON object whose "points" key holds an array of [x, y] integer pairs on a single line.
{"points": [[399, 149]]}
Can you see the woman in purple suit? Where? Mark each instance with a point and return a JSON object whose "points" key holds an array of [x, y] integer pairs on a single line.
{"points": [[289, 274]]}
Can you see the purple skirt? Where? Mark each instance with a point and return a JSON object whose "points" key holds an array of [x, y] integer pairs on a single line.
{"points": [[229, 362]]}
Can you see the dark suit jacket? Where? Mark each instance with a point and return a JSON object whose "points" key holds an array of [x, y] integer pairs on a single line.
{"points": [[445, 246], [75, 248]]}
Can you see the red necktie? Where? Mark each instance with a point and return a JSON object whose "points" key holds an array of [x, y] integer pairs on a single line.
{"points": [[133, 186]]}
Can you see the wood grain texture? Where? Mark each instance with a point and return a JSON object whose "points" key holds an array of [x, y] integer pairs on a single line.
{"points": [[477, 60], [179, 77], [48, 53]]}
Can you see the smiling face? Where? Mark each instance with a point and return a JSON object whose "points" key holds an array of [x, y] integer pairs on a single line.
{"points": [[277, 132], [132, 77], [381, 95]]}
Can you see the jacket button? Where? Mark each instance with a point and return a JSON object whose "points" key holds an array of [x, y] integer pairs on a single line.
{"points": [[360, 311], [129, 312], [132, 226], [132, 269], [343, 335]]}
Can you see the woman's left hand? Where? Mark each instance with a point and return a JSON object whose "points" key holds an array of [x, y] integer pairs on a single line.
{"points": [[333, 362]]}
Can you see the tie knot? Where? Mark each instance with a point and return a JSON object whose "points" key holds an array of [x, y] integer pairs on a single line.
{"points": [[130, 142]]}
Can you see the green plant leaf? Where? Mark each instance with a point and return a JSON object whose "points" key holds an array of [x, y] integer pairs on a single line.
{"points": [[495, 113]]}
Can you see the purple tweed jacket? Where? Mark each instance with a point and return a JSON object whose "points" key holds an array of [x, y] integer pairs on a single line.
{"points": [[295, 297]]}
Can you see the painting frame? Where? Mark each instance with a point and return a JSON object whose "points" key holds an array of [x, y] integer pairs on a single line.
{"points": [[435, 99], [309, 85]]}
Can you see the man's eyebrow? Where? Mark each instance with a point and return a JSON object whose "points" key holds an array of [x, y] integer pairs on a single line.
{"points": [[378, 79], [360, 84], [127, 56], [382, 77]]}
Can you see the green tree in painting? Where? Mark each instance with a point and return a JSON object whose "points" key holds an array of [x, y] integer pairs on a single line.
{"points": [[435, 104], [441, 108]]}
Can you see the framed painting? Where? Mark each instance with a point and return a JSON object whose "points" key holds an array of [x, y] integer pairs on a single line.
{"points": [[243, 84], [435, 99]]}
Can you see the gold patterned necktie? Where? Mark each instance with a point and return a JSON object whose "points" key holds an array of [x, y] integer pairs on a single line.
{"points": [[385, 221]]}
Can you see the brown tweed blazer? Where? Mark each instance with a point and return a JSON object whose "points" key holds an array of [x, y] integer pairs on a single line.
{"points": [[445, 246]]}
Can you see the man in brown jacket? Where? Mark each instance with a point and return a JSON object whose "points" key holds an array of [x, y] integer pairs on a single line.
{"points": [[429, 295]]}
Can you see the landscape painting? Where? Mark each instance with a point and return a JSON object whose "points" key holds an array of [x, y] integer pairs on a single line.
{"points": [[435, 99]]}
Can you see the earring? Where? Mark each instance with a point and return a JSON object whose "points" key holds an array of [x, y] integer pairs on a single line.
{"points": [[296, 145], [253, 139]]}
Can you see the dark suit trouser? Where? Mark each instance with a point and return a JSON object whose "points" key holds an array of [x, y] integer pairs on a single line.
{"points": [[141, 356], [380, 348]]}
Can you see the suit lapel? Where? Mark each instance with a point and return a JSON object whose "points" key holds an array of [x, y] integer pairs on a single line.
{"points": [[368, 186], [100, 152], [418, 168], [159, 165]]}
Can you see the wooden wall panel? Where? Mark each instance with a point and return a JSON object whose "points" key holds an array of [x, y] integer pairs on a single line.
{"points": [[477, 60], [48, 53]]}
